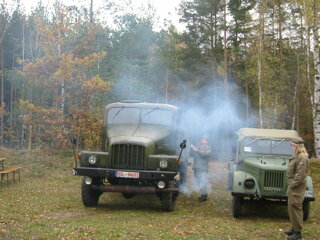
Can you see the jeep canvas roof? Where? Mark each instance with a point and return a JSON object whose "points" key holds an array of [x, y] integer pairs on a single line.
{"points": [[267, 133]]}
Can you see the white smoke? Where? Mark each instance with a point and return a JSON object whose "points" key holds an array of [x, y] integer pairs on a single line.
{"points": [[211, 113]]}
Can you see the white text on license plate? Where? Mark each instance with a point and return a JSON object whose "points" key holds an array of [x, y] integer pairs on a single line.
{"points": [[127, 174]]}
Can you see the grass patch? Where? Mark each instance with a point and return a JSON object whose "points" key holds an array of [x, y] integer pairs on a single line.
{"points": [[46, 204]]}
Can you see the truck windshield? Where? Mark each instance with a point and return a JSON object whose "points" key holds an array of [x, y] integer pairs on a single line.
{"points": [[123, 115], [157, 116], [153, 116], [267, 146]]}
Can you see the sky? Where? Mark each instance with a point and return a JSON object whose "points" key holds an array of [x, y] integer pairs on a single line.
{"points": [[165, 9]]}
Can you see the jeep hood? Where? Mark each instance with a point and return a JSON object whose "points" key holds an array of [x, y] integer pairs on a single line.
{"points": [[267, 163], [137, 134]]}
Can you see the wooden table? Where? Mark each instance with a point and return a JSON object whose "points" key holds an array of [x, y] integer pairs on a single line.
{"points": [[2, 164]]}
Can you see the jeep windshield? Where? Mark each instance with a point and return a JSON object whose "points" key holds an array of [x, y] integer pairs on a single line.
{"points": [[131, 115], [267, 146]]}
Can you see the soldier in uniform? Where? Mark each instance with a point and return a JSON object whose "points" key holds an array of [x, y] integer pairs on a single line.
{"points": [[297, 172], [201, 155]]}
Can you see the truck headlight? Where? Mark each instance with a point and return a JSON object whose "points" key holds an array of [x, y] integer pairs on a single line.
{"points": [[88, 180], [249, 183], [161, 184], [92, 159], [163, 163]]}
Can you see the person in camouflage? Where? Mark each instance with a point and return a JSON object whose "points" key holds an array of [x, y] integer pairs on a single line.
{"points": [[201, 154], [297, 172]]}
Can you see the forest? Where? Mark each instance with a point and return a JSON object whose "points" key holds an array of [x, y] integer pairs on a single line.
{"points": [[239, 63]]}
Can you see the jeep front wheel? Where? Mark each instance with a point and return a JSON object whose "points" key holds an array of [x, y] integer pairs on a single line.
{"points": [[90, 197], [305, 209], [236, 206]]}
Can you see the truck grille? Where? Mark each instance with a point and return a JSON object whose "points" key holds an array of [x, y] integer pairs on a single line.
{"points": [[127, 156], [273, 181]]}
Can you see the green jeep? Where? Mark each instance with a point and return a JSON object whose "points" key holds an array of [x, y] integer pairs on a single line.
{"points": [[258, 171], [140, 154]]}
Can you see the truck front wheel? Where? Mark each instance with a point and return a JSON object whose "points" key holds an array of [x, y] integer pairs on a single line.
{"points": [[168, 201], [90, 197]]}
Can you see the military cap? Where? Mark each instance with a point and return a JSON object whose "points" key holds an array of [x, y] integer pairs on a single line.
{"points": [[297, 140]]}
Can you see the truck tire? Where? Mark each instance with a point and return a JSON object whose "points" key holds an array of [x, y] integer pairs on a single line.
{"points": [[128, 195], [305, 209], [90, 197], [168, 201], [236, 206]]}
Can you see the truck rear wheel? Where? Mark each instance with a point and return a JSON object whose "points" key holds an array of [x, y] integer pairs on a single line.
{"points": [[236, 206], [305, 209], [90, 197]]}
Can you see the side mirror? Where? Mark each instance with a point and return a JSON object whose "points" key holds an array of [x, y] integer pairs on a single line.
{"points": [[183, 145]]}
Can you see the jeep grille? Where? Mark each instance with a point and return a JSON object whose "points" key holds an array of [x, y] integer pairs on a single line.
{"points": [[127, 156], [273, 181]]}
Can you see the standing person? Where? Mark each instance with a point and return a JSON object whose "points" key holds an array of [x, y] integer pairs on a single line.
{"points": [[297, 172], [201, 155]]}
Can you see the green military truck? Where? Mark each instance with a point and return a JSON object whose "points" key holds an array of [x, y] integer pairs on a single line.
{"points": [[140, 154], [258, 171]]}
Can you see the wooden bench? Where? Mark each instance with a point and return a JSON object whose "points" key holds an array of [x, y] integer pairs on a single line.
{"points": [[2, 164], [6, 172]]}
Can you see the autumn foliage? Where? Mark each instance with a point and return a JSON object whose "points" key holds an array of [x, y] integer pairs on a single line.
{"points": [[68, 97]]}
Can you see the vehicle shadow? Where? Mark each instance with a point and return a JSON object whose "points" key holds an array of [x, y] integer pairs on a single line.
{"points": [[115, 201], [264, 209]]}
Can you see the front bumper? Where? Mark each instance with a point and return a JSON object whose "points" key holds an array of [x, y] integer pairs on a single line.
{"points": [[132, 189], [112, 173], [267, 196]]}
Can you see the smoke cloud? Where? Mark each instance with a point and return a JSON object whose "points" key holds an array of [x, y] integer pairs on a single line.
{"points": [[212, 113]]}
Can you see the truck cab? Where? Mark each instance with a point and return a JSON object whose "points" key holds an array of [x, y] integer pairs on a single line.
{"points": [[140, 149]]}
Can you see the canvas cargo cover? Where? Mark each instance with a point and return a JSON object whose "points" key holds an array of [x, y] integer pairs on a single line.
{"points": [[267, 133]]}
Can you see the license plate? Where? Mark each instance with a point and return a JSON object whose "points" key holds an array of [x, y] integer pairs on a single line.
{"points": [[127, 174]]}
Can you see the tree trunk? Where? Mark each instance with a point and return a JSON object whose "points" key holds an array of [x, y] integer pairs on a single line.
{"points": [[280, 19], [11, 101], [91, 11], [225, 62], [2, 98], [260, 57], [316, 59], [30, 138], [225, 77], [295, 97], [167, 83]]}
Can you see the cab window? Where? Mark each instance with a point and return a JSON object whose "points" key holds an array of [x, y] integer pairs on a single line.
{"points": [[267, 146]]}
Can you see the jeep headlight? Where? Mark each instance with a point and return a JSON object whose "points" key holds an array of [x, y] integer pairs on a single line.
{"points": [[249, 183], [163, 163], [92, 159]]}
